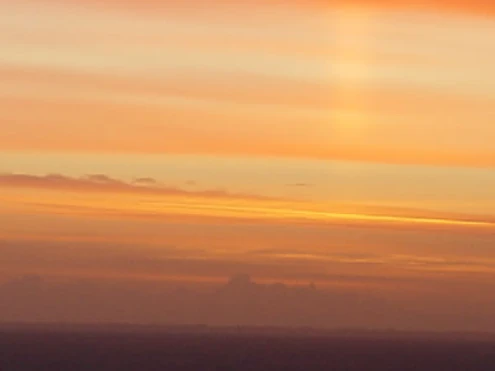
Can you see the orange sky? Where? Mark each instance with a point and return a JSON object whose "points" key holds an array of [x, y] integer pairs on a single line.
{"points": [[295, 140], [344, 86]]}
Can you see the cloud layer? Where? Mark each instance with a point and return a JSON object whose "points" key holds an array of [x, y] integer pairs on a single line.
{"points": [[290, 81], [105, 184], [240, 301]]}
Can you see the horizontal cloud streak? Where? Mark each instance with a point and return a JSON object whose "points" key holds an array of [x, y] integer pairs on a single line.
{"points": [[104, 183], [141, 261], [352, 84], [481, 7], [223, 204]]}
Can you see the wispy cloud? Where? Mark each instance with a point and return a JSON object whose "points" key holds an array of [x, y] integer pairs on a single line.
{"points": [[163, 201], [350, 83], [104, 183], [225, 204]]}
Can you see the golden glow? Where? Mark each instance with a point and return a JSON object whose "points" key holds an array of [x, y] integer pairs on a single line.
{"points": [[350, 143]]}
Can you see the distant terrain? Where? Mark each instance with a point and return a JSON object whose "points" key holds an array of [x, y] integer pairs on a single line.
{"points": [[25, 347]]}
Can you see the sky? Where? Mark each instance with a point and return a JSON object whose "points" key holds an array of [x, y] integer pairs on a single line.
{"points": [[166, 143]]}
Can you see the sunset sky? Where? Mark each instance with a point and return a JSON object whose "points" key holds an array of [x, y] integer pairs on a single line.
{"points": [[346, 143]]}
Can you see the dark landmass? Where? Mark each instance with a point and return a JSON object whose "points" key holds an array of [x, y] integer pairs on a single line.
{"points": [[26, 347]]}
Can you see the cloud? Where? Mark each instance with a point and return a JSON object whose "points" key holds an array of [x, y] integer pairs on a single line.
{"points": [[141, 107], [239, 301], [238, 88], [481, 7], [140, 261], [103, 179], [145, 181], [300, 185], [104, 183], [220, 204], [476, 7]]}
